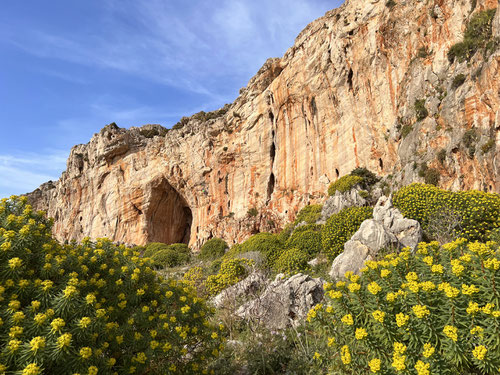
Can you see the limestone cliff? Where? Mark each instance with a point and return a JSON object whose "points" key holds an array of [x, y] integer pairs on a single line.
{"points": [[342, 96]]}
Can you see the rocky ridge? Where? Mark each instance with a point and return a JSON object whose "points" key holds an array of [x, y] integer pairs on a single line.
{"points": [[342, 96]]}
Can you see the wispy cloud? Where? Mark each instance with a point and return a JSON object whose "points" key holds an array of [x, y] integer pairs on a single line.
{"points": [[25, 172], [184, 45]]}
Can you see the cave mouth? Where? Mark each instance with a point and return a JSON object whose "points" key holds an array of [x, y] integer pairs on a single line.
{"points": [[169, 217]]}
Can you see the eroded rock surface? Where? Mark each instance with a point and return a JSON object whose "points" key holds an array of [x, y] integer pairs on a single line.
{"points": [[341, 97], [284, 301], [387, 230]]}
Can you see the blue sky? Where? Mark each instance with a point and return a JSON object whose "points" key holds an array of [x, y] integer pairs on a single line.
{"points": [[68, 68]]}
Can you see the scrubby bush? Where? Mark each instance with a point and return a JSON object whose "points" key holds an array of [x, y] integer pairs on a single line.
{"points": [[432, 176], [469, 140], [310, 214], [253, 212], [153, 247], [488, 146], [458, 81], [286, 232], [477, 36], [433, 312], [233, 251], [480, 211], [344, 184], [420, 111], [406, 130], [339, 228], [91, 308], [172, 255], [441, 156], [213, 249], [308, 242], [231, 271], [266, 243], [292, 260], [369, 178]]}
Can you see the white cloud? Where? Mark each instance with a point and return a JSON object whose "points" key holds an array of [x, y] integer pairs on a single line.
{"points": [[24, 173]]}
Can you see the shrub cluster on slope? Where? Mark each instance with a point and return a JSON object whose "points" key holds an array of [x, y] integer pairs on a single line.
{"points": [[433, 312], [94, 308], [164, 255], [213, 249], [479, 211]]}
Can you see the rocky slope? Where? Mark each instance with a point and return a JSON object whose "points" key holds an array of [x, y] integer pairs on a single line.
{"points": [[342, 96]]}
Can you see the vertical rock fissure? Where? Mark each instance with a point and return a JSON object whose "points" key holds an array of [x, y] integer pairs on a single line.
{"points": [[272, 154]]}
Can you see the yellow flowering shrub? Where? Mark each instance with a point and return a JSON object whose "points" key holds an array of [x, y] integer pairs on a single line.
{"points": [[307, 241], [479, 211], [344, 184], [339, 228], [292, 260], [310, 214], [405, 316], [231, 271], [93, 308]]}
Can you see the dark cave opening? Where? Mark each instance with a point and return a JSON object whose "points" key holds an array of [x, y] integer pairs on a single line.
{"points": [[168, 216]]}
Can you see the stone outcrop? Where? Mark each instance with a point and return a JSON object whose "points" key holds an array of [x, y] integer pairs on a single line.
{"points": [[341, 97], [387, 230], [247, 288], [284, 301], [339, 201]]}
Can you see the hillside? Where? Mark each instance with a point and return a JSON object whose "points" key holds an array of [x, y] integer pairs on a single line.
{"points": [[365, 85]]}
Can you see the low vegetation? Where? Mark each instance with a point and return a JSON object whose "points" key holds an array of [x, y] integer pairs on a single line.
{"points": [[477, 36]]}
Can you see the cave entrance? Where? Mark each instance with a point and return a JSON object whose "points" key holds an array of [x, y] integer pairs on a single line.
{"points": [[169, 217]]}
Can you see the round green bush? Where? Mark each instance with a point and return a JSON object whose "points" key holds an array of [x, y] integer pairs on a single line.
{"points": [[433, 312], [172, 256], [292, 260], [310, 214], [153, 247], [307, 227], [266, 243], [480, 211], [344, 184], [93, 308], [339, 228], [309, 242], [213, 249], [369, 178]]}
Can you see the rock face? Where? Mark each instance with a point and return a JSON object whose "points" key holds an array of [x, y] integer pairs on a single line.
{"points": [[339, 98], [246, 288], [284, 301], [387, 229], [339, 201]]}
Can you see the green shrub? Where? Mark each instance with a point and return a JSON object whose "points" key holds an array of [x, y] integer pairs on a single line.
{"points": [[286, 232], [441, 156], [434, 312], [458, 81], [488, 146], [390, 4], [213, 249], [308, 241], [231, 271], [420, 110], [344, 184], [339, 228], [233, 251], [469, 140], [310, 214], [432, 176], [308, 227], [422, 52], [292, 260], [172, 256], [266, 243], [477, 36], [480, 211], [369, 178], [252, 212], [91, 308], [154, 247], [406, 130]]}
